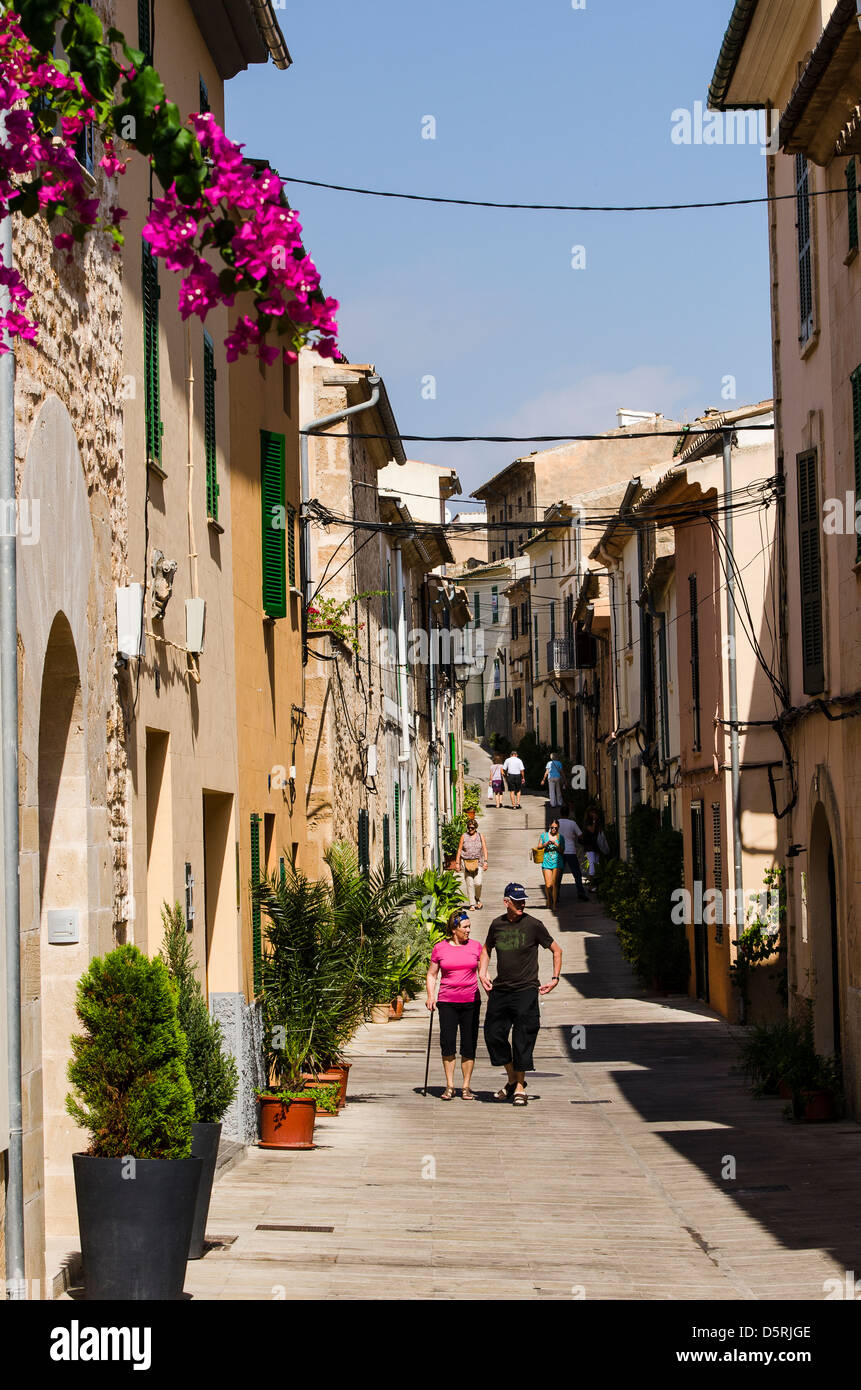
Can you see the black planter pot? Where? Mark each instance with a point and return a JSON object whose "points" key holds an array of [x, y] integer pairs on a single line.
{"points": [[135, 1229], [204, 1144]]}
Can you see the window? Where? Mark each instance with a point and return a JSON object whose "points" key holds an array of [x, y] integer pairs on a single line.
{"points": [[554, 738], [695, 658], [397, 825], [717, 860], [812, 660], [494, 605], [520, 504], [150, 294], [363, 845], [630, 642], [518, 705], [511, 550], [493, 556], [535, 658], [256, 937], [852, 202], [387, 846], [520, 540], [552, 619], [856, 436], [272, 499], [514, 620], [496, 676], [203, 98], [209, 436], [524, 619], [698, 864], [476, 608], [805, 259], [145, 28]]}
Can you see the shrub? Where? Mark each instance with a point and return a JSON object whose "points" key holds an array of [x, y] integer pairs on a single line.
{"points": [[638, 895], [450, 832], [472, 799], [212, 1073], [128, 1066], [535, 757]]}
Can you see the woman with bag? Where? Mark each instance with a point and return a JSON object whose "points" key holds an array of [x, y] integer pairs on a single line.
{"points": [[455, 961], [497, 782], [590, 840], [553, 846], [470, 860]]}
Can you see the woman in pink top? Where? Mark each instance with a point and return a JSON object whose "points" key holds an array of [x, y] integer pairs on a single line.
{"points": [[455, 961]]}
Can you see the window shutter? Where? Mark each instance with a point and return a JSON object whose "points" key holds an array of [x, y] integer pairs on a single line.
{"points": [[150, 294], [387, 846], [256, 940], [209, 436], [291, 546], [397, 825], [204, 106], [805, 262], [364, 843], [145, 29], [272, 455], [717, 859], [852, 200], [494, 604], [476, 609], [856, 436], [809, 567], [695, 657]]}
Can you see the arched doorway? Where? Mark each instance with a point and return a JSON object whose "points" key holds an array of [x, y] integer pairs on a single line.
{"points": [[822, 898], [63, 897]]}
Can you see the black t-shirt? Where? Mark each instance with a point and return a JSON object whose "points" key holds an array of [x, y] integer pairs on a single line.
{"points": [[516, 946]]}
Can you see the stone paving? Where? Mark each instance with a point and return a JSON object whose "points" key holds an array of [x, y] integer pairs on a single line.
{"points": [[609, 1185]]}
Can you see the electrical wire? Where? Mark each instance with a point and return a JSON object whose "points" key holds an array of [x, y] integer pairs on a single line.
{"points": [[560, 207], [569, 438]]}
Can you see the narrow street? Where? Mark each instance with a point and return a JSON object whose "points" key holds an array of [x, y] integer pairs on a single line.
{"points": [[610, 1184]]}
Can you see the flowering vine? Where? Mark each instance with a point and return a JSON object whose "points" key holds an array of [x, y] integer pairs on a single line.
{"points": [[330, 615], [215, 207]]}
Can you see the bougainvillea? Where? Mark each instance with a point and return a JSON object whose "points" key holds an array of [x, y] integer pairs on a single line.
{"points": [[216, 206]]}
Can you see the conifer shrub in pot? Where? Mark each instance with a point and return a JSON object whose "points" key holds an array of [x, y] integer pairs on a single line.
{"points": [[211, 1072], [137, 1184]]}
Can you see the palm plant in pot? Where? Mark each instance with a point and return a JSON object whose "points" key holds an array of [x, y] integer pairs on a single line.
{"points": [[212, 1073], [137, 1184], [367, 908]]}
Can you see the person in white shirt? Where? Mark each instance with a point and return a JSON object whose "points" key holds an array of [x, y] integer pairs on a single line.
{"points": [[570, 832], [553, 778], [514, 770]]}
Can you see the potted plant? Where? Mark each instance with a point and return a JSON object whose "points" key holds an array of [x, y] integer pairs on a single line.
{"points": [[450, 832], [212, 1073], [136, 1185]]}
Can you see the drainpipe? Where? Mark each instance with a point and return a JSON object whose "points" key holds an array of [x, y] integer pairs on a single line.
{"points": [[733, 699], [404, 755], [15, 1278], [313, 427]]}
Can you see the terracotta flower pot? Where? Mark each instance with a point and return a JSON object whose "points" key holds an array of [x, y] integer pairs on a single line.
{"points": [[287, 1125], [316, 1083], [396, 1008], [817, 1106]]}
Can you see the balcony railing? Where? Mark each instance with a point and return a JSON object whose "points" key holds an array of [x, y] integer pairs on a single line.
{"points": [[572, 653]]}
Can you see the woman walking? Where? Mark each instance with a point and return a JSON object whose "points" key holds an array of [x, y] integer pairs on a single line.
{"points": [[497, 780], [455, 961], [470, 860], [554, 851], [589, 838]]}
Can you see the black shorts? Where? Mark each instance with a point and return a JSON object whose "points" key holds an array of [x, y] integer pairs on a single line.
{"points": [[464, 1016], [515, 780], [512, 1013]]}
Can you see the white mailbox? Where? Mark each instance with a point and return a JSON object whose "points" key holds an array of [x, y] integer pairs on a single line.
{"points": [[63, 926]]}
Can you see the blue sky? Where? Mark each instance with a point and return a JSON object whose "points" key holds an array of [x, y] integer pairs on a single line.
{"points": [[532, 102]]}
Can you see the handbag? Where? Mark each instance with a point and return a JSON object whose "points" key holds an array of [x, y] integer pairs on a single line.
{"points": [[538, 854], [471, 865]]}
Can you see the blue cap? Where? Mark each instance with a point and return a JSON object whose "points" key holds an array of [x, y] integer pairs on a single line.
{"points": [[516, 892]]}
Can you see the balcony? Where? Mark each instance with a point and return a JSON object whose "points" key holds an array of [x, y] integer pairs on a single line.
{"points": [[568, 654]]}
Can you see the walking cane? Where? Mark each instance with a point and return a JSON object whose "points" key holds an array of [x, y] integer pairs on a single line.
{"points": [[427, 1064]]}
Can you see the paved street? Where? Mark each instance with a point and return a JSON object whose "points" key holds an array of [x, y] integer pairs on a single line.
{"points": [[608, 1185]]}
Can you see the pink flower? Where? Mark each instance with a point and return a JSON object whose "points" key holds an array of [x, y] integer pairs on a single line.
{"points": [[64, 241]]}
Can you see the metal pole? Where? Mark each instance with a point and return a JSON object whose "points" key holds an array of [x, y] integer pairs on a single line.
{"points": [[15, 1277], [733, 696]]}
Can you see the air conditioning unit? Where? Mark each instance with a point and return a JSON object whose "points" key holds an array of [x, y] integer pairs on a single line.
{"points": [[195, 622], [130, 634]]}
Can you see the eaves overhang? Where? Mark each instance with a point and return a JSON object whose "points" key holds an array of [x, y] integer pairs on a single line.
{"points": [[239, 34], [822, 115], [733, 42]]}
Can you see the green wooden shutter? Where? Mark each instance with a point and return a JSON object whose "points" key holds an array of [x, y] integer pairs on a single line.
{"points": [[256, 938], [150, 295], [452, 756], [272, 470], [397, 825], [209, 435], [852, 200], [364, 843], [291, 546], [145, 29], [856, 436], [809, 566], [387, 846]]}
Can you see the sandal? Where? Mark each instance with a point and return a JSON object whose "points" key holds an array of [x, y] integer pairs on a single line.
{"points": [[521, 1099], [505, 1092], [467, 1094], [448, 1093]]}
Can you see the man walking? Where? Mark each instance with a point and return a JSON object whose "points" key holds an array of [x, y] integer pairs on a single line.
{"points": [[553, 778], [570, 831], [512, 998], [514, 770]]}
